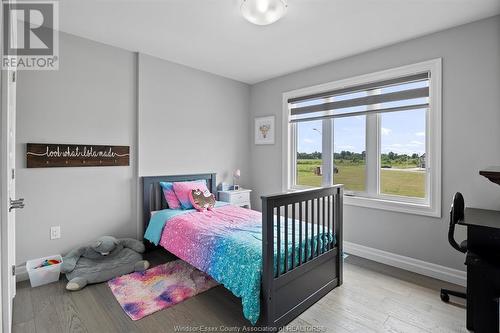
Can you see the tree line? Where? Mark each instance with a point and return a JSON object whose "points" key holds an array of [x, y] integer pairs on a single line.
{"points": [[389, 159]]}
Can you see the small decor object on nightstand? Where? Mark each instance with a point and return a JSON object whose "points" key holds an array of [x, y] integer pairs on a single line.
{"points": [[264, 130], [236, 179], [239, 197]]}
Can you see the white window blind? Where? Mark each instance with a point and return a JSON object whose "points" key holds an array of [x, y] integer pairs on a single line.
{"points": [[398, 94]]}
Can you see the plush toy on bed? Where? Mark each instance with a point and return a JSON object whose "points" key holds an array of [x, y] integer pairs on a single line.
{"points": [[201, 200], [103, 260]]}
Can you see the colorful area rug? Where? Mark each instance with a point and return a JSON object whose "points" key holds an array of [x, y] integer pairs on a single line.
{"points": [[143, 293]]}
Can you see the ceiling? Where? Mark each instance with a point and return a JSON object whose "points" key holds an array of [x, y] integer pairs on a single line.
{"points": [[211, 35]]}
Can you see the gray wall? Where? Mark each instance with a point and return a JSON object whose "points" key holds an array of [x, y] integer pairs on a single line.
{"points": [[471, 135], [91, 99], [191, 121], [188, 121]]}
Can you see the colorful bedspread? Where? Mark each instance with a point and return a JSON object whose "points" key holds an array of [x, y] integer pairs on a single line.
{"points": [[226, 243]]}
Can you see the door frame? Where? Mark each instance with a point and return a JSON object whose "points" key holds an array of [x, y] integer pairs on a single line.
{"points": [[5, 269], [3, 202], [6, 246], [4, 277]]}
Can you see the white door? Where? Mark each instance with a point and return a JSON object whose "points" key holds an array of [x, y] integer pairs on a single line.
{"points": [[10, 203]]}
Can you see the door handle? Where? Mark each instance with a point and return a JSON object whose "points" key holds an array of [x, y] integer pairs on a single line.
{"points": [[17, 201], [16, 204]]}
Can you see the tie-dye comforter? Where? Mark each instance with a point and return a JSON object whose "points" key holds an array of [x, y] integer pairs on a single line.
{"points": [[226, 243]]}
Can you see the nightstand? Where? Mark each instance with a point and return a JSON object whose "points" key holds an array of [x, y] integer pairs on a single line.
{"points": [[239, 197]]}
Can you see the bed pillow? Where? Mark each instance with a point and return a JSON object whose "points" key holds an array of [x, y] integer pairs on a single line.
{"points": [[183, 189], [169, 194], [202, 201]]}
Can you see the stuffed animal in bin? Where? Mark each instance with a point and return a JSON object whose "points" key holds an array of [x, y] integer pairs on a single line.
{"points": [[103, 260]]}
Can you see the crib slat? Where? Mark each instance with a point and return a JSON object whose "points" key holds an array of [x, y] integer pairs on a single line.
{"points": [[293, 235], [306, 250], [278, 239], [286, 239], [332, 219], [320, 222], [323, 225], [313, 220], [301, 219], [334, 216], [328, 221], [318, 208]]}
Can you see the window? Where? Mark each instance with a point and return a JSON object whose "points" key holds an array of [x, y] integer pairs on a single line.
{"points": [[349, 153], [402, 155], [378, 134], [309, 148]]}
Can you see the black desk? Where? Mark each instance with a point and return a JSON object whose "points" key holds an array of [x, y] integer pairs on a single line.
{"points": [[483, 269], [481, 218]]}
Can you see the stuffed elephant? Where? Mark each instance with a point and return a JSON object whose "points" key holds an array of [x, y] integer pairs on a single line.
{"points": [[103, 260]]}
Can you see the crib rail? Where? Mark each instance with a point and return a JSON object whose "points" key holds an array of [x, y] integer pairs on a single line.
{"points": [[301, 248]]}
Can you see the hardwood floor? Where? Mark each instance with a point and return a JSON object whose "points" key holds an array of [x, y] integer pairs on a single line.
{"points": [[373, 298]]}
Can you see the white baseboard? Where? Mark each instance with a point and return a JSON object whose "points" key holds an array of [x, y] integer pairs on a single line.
{"points": [[407, 263], [21, 273], [410, 264]]}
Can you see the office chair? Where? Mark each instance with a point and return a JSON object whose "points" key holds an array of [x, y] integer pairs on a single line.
{"points": [[456, 215]]}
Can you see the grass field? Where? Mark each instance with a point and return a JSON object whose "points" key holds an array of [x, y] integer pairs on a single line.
{"points": [[352, 175]]}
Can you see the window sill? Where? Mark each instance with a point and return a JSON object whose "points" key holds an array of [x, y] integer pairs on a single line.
{"points": [[391, 205]]}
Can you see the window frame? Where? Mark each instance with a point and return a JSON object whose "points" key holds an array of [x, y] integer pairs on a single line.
{"points": [[371, 198]]}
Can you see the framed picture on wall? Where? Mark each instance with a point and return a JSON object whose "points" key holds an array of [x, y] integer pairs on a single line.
{"points": [[264, 130]]}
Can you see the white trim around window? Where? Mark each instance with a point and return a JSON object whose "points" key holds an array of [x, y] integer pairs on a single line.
{"points": [[431, 205]]}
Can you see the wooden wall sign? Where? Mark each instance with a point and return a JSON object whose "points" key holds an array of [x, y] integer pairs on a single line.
{"points": [[45, 155]]}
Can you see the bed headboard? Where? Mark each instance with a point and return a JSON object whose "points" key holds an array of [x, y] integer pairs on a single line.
{"points": [[153, 198]]}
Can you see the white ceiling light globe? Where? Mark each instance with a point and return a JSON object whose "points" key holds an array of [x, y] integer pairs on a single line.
{"points": [[263, 12]]}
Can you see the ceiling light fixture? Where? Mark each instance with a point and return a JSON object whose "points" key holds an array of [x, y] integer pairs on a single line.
{"points": [[263, 12]]}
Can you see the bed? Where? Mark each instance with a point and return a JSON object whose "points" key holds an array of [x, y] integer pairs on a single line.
{"points": [[279, 262]]}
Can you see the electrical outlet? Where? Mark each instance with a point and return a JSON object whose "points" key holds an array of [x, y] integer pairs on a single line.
{"points": [[55, 232]]}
